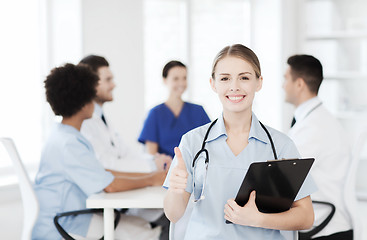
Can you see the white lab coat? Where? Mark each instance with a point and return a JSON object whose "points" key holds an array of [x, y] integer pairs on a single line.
{"points": [[318, 134], [110, 148]]}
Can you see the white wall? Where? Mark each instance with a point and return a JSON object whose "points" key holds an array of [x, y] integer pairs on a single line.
{"points": [[266, 42], [289, 46], [114, 29]]}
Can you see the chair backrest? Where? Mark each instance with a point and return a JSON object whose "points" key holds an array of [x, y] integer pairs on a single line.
{"points": [[29, 198], [350, 196]]}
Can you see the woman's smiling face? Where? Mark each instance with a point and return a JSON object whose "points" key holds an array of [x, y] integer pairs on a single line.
{"points": [[235, 83]]}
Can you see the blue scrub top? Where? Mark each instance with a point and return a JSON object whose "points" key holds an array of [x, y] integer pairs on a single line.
{"points": [[69, 172], [162, 127], [224, 177]]}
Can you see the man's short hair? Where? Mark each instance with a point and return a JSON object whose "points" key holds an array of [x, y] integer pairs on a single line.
{"points": [[94, 62], [69, 88], [309, 68]]}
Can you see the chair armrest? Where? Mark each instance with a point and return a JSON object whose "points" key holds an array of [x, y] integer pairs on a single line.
{"points": [[315, 230], [65, 235]]}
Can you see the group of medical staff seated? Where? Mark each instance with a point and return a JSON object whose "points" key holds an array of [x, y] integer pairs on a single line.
{"points": [[85, 155]]}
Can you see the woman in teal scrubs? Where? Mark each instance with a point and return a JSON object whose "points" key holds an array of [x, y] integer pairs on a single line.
{"points": [[167, 122], [235, 141]]}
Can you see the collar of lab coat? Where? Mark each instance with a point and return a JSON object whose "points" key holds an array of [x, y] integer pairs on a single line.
{"points": [[303, 110], [97, 110]]}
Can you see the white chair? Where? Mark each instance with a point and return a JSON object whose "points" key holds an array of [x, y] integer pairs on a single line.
{"points": [[29, 198], [350, 196]]}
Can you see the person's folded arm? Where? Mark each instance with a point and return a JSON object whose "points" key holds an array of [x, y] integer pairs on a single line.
{"points": [[299, 217], [124, 181]]}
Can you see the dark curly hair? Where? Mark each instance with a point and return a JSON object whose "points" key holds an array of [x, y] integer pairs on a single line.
{"points": [[69, 88]]}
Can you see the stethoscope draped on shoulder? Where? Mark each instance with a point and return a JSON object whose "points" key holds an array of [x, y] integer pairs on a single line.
{"points": [[206, 153]]}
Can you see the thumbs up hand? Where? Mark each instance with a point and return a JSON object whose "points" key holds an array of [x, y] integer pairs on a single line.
{"points": [[178, 177]]}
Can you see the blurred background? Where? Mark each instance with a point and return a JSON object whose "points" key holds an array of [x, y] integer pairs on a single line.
{"points": [[138, 37]]}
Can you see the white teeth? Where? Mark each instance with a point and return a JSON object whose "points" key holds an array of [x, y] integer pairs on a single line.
{"points": [[235, 98]]}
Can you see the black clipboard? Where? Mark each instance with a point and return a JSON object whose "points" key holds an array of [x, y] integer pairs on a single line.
{"points": [[276, 183]]}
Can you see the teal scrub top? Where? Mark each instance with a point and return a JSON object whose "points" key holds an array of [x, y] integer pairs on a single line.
{"points": [[224, 177], [68, 173]]}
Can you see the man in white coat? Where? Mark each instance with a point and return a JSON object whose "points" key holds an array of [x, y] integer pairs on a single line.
{"points": [[112, 151], [318, 134]]}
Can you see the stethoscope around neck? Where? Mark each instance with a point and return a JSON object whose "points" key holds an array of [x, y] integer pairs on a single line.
{"points": [[205, 151]]}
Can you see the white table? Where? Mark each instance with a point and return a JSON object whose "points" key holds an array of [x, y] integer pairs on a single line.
{"points": [[149, 197]]}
